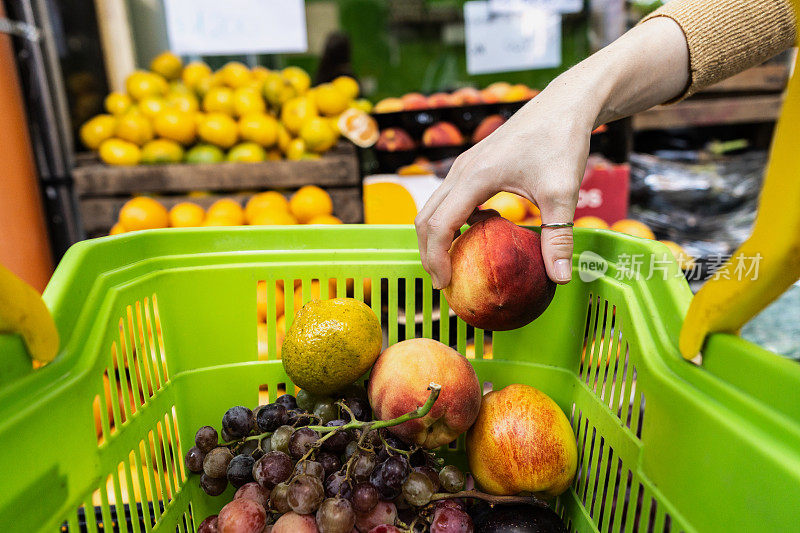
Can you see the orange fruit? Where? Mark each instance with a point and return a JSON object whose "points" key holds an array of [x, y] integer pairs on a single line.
{"points": [[509, 205], [227, 209], [358, 127], [633, 227], [218, 129], [265, 202], [96, 130], [186, 215], [324, 219], [218, 221], [259, 128], [176, 125], [310, 201], [685, 261], [235, 74], [168, 65], [194, 72], [117, 103], [218, 100], [273, 218], [347, 86], [134, 128], [119, 152], [329, 100], [143, 212], [116, 229], [247, 100], [261, 301], [591, 222], [313, 291]]}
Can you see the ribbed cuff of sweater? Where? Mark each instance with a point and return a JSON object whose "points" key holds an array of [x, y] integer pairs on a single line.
{"points": [[726, 37]]}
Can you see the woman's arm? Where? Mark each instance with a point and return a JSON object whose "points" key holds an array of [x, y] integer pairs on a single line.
{"points": [[540, 152]]}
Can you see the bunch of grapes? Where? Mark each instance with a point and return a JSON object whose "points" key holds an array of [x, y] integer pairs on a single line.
{"points": [[309, 464]]}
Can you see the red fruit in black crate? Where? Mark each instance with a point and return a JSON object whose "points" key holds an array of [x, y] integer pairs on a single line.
{"points": [[395, 140]]}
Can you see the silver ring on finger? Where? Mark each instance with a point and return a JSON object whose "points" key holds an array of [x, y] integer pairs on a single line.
{"points": [[558, 225]]}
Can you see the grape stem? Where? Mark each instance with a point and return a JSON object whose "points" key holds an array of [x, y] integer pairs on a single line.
{"points": [[491, 498]]}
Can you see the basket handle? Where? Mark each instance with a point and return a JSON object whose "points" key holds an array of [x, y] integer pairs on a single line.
{"points": [[23, 312], [768, 262]]}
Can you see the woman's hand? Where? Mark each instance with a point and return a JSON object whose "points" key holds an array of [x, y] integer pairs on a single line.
{"points": [[540, 153]]}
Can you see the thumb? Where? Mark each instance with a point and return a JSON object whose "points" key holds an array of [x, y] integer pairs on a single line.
{"points": [[557, 243]]}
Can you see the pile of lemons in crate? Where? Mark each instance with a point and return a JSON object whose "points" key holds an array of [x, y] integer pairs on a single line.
{"points": [[309, 205], [175, 113]]}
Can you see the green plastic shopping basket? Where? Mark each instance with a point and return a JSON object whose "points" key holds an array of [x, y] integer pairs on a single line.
{"points": [[159, 337]]}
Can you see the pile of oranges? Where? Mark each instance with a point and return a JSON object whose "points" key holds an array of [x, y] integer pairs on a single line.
{"points": [[309, 205], [174, 113], [522, 211]]}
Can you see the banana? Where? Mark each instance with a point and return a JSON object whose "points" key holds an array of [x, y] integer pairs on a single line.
{"points": [[725, 305], [23, 311]]}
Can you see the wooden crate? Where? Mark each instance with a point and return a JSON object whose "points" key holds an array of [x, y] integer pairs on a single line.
{"points": [[102, 189]]}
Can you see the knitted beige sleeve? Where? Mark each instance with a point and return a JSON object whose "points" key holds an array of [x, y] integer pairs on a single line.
{"points": [[726, 37]]}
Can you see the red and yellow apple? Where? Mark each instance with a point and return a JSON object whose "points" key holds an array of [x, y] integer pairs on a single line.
{"points": [[399, 384], [442, 134], [487, 127], [394, 140], [521, 441], [414, 102], [498, 279], [440, 100], [467, 96]]}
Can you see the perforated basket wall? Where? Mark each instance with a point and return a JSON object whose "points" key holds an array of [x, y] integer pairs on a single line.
{"points": [[160, 336]]}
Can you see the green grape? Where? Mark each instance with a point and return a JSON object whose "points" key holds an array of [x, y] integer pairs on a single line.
{"points": [[326, 411], [418, 489], [280, 439], [452, 478], [306, 401]]}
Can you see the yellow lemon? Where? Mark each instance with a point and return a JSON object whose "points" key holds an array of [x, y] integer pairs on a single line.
{"points": [[176, 125], [151, 106], [96, 130], [330, 101], [194, 72], [218, 129], [284, 138], [168, 65], [363, 104], [235, 75], [260, 73], [178, 87], [119, 152], [142, 84], [259, 128], [247, 100], [298, 78], [204, 153], [117, 103], [310, 201], [274, 154], [295, 149], [186, 102], [277, 90], [135, 128], [318, 135], [160, 151], [273, 218], [347, 86], [218, 100], [186, 215], [247, 153], [296, 112], [269, 201]]}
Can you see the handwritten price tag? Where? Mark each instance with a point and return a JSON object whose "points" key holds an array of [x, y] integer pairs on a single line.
{"points": [[211, 27], [504, 42]]}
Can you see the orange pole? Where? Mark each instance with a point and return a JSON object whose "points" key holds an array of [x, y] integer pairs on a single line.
{"points": [[24, 246]]}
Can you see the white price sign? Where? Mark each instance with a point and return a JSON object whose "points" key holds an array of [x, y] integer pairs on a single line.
{"points": [[211, 27], [515, 6], [504, 42]]}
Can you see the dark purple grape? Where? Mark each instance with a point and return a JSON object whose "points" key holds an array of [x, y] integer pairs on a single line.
{"points": [[271, 417], [352, 391], [337, 442], [299, 418], [288, 401], [360, 408], [277, 498], [209, 525], [452, 479], [253, 491], [215, 463], [363, 464], [225, 436], [432, 475], [365, 497], [418, 458], [330, 462], [213, 486], [240, 470], [418, 489], [335, 515], [338, 485], [451, 520], [194, 459], [251, 448], [272, 468], [206, 439], [305, 494], [237, 421], [388, 477], [301, 441], [311, 468], [384, 453]]}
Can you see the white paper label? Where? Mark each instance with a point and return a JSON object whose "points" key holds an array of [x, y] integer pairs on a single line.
{"points": [[504, 42], [515, 6], [212, 27]]}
